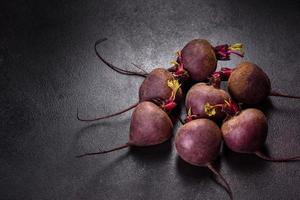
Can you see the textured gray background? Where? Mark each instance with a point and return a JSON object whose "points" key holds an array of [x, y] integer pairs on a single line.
{"points": [[48, 69]]}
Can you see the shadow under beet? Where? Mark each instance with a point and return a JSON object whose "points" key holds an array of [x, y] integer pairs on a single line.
{"points": [[188, 171], [244, 163], [152, 155], [266, 106], [92, 187]]}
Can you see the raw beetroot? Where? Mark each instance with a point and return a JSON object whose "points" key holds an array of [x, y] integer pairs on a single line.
{"points": [[160, 87], [198, 142], [248, 83], [200, 94], [246, 133], [150, 125], [196, 61], [199, 58]]}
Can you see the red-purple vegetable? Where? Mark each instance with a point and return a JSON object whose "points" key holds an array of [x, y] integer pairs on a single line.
{"points": [[200, 94], [150, 125], [160, 87], [198, 142], [248, 83], [246, 133]]}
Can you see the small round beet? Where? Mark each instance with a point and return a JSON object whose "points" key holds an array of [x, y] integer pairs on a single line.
{"points": [[198, 142], [200, 94], [249, 84], [150, 125], [199, 59], [246, 132], [159, 86], [155, 86]]}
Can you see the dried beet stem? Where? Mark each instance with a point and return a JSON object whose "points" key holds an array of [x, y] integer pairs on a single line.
{"points": [[106, 151], [113, 67], [107, 116]]}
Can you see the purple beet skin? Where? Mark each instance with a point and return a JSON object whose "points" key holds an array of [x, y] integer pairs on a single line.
{"points": [[150, 125], [198, 142], [199, 59], [246, 132], [199, 95]]}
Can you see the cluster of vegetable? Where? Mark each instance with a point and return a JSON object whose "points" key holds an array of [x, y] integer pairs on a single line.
{"points": [[213, 114]]}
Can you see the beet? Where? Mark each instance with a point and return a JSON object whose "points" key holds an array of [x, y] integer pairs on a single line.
{"points": [[155, 86], [150, 125], [246, 133], [249, 84], [200, 94], [199, 59], [159, 86], [196, 61], [198, 142]]}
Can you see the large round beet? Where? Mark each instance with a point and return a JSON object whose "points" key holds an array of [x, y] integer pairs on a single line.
{"points": [[249, 84], [199, 59], [155, 86], [160, 86], [150, 125], [246, 132], [200, 94], [198, 142]]}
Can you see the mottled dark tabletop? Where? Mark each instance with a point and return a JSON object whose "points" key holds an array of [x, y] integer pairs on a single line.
{"points": [[48, 69]]}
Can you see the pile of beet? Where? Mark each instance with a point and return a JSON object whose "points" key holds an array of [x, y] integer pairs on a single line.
{"points": [[214, 115]]}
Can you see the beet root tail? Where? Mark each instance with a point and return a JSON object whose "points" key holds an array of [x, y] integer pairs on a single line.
{"points": [[113, 67], [226, 186], [278, 94], [106, 116], [286, 159], [104, 152]]}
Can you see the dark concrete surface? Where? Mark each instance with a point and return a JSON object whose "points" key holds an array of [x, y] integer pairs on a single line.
{"points": [[48, 69]]}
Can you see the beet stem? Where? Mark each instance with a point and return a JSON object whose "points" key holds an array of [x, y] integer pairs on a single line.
{"points": [[267, 158], [113, 67], [226, 186], [107, 116], [278, 94], [103, 152]]}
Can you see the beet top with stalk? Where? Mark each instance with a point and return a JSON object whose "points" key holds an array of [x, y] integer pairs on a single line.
{"points": [[199, 58], [198, 142], [201, 93], [150, 125]]}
